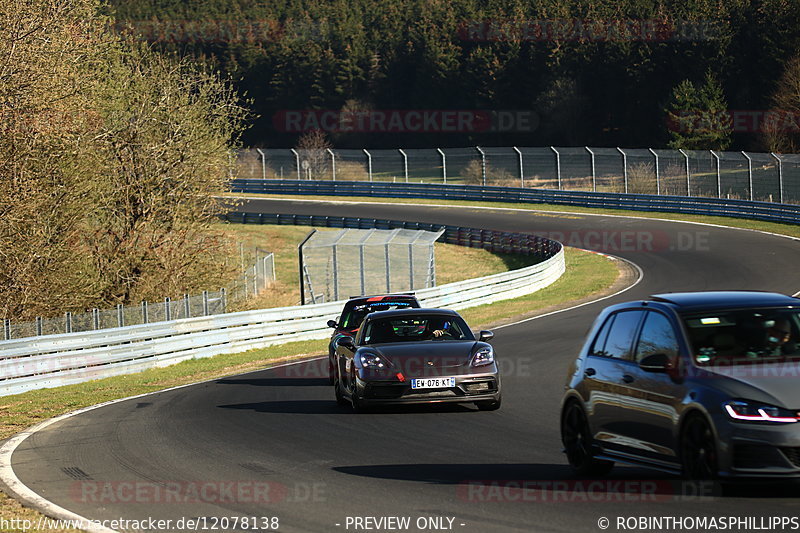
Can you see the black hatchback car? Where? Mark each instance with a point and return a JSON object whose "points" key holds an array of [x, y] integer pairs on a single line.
{"points": [[706, 384], [354, 311]]}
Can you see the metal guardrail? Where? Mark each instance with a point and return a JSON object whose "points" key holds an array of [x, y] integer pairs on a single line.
{"points": [[64, 359], [767, 211]]}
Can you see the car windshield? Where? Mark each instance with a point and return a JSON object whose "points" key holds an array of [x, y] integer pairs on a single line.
{"points": [[747, 336], [353, 317], [412, 328]]}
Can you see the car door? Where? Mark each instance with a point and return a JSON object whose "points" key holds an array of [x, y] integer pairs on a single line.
{"points": [[607, 367], [652, 399]]}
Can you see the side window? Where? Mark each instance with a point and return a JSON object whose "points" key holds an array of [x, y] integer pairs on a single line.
{"points": [[599, 345], [620, 337], [658, 336]]}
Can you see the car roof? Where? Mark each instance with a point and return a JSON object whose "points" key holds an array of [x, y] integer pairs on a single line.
{"points": [[413, 311], [687, 301], [382, 298]]}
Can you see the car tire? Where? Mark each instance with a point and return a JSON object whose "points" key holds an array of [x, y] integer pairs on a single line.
{"points": [[337, 384], [699, 458], [577, 441], [489, 405]]}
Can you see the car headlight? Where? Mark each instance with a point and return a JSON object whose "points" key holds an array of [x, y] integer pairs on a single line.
{"points": [[483, 357], [757, 412], [372, 360]]}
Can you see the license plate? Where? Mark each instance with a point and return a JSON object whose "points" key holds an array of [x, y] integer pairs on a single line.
{"points": [[433, 383]]}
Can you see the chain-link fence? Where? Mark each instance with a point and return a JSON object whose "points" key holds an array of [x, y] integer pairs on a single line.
{"points": [[705, 173], [339, 264], [252, 282]]}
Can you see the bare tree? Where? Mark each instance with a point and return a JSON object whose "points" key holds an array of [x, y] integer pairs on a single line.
{"points": [[315, 159], [782, 124]]}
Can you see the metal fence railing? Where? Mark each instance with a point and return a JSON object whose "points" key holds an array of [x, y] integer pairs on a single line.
{"points": [[750, 176], [253, 281]]}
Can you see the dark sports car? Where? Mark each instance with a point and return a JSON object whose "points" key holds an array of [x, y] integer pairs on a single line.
{"points": [[416, 356]]}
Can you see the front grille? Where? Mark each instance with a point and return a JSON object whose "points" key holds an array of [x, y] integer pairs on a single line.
{"points": [[757, 456], [385, 391], [793, 454], [446, 393]]}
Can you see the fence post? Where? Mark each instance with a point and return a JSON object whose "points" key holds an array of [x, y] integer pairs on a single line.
{"points": [[780, 175], [369, 164], [558, 166], [405, 163], [658, 175], [444, 165], [205, 303], [749, 173], [145, 317], [521, 174], [96, 318], [594, 174], [120, 316], [7, 329], [719, 174], [224, 297], [67, 322], [38, 326], [688, 184], [388, 267], [263, 163], [296, 161], [333, 164], [483, 165], [624, 168], [167, 308], [186, 307]]}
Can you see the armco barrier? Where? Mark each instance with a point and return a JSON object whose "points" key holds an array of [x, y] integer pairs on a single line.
{"points": [[55, 360], [772, 212]]}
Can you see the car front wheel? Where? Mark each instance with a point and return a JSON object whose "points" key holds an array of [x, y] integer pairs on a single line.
{"points": [[577, 442], [698, 449]]}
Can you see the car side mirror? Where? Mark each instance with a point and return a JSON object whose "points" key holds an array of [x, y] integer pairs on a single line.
{"points": [[657, 362], [346, 342], [332, 324], [486, 336]]}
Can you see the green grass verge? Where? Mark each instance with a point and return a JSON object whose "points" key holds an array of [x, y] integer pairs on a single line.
{"points": [[791, 230]]}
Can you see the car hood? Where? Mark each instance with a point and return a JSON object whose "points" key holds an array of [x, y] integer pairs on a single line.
{"points": [[411, 357], [778, 383]]}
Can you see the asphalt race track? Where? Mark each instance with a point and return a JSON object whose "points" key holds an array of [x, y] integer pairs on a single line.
{"points": [[274, 443]]}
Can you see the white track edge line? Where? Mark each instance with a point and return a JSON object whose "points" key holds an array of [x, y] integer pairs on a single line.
{"points": [[39, 503]]}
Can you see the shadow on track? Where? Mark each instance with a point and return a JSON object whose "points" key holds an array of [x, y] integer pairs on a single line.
{"points": [[330, 407], [277, 382]]}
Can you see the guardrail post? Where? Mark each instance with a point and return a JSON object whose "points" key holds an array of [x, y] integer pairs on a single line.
{"points": [[120, 316], [369, 164], [297, 161], [68, 322], [7, 329], [658, 176], [405, 163], [145, 317], [96, 318], [780, 175], [558, 166], [38, 326], [444, 165], [594, 174], [333, 164], [483, 165], [749, 173], [719, 174], [205, 303], [263, 163], [521, 174], [624, 168], [688, 185]]}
